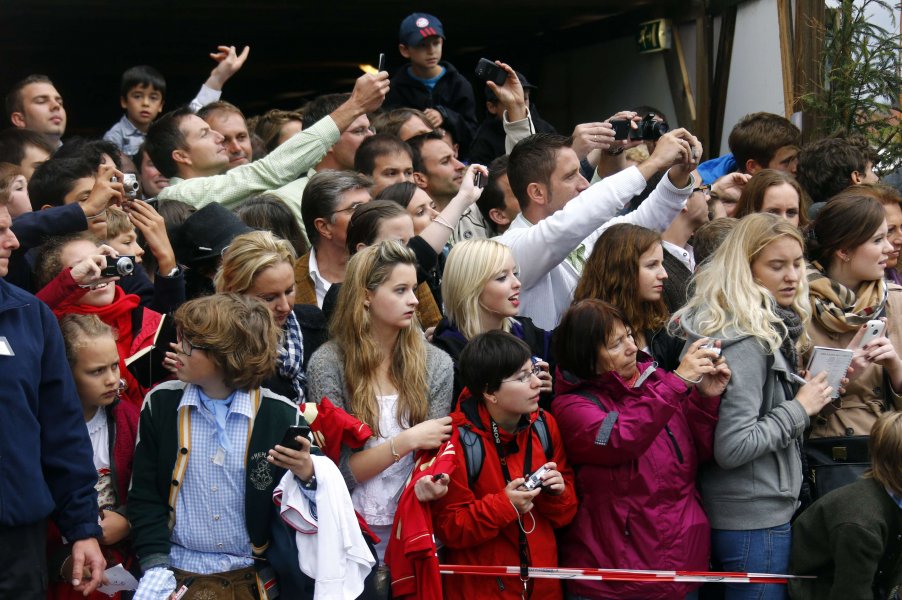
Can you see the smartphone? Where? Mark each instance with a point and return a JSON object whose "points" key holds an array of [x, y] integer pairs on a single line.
{"points": [[873, 330], [381, 63], [479, 179], [292, 432], [489, 71]]}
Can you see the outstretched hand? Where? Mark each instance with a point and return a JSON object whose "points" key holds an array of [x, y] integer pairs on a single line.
{"points": [[230, 62]]}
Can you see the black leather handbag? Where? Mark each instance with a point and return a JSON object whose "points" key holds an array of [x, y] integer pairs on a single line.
{"points": [[835, 461]]}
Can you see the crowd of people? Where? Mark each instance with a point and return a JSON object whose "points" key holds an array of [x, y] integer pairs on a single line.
{"points": [[316, 353]]}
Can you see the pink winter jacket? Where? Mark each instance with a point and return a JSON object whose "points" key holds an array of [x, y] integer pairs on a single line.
{"points": [[636, 452]]}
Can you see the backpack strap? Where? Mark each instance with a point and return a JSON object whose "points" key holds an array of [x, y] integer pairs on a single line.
{"points": [[607, 426], [541, 427], [474, 453]]}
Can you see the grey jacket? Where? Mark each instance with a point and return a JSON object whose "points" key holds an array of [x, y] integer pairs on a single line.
{"points": [[326, 377], [755, 479]]}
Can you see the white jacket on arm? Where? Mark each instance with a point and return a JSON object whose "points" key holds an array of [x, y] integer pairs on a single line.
{"points": [[540, 250]]}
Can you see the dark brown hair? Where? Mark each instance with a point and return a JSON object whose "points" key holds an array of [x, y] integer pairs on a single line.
{"points": [[584, 329], [759, 135], [844, 223]]}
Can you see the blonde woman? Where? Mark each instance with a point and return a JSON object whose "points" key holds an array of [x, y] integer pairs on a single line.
{"points": [[482, 293], [378, 368], [261, 265], [752, 296]]}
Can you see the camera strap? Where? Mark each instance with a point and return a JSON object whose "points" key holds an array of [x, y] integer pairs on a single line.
{"points": [[523, 545]]}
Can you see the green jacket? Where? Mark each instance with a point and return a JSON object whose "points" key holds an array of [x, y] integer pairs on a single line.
{"points": [[160, 463], [851, 539]]}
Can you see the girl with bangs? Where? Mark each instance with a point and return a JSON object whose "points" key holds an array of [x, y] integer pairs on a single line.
{"points": [[751, 297], [481, 290], [378, 368]]}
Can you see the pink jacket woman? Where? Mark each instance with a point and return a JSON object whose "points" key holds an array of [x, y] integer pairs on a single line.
{"points": [[635, 450]]}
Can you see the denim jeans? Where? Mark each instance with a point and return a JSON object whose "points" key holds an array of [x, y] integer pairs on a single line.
{"points": [[756, 551]]}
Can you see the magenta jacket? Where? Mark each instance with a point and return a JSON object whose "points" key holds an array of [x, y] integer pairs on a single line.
{"points": [[636, 452]]}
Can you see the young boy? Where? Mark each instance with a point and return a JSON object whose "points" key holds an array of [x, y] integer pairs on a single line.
{"points": [[141, 95], [483, 521], [166, 292], [143, 90], [429, 84], [209, 456]]}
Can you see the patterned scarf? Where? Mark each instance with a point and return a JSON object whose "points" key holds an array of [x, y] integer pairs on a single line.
{"points": [[794, 329], [291, 356], [840, 310]]}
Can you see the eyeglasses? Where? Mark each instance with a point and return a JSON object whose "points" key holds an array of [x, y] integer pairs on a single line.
{"points": [[524, 377], [705, 189], [349, 209], [187, 347]]}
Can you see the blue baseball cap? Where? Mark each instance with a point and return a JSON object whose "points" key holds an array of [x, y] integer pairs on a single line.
{"points": [[417, 27]]}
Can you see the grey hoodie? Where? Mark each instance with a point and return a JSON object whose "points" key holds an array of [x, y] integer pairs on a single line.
{"points": [[756, 476]]}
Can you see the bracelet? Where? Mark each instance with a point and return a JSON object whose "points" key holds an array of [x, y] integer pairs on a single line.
{"points": [[615, 151], [688, 382], [391, 445], [438, 219], [97, 216]]}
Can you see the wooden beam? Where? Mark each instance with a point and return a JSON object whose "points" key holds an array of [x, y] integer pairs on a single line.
{"points": [[787, 57], [722, 74], [809, 70], [703, 40], [678, 77]]}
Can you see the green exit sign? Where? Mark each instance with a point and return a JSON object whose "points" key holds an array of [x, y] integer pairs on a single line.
{"points": [[654, 36]]}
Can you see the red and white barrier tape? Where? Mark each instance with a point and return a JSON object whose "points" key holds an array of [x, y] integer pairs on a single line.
{"points": [[620, 574]]}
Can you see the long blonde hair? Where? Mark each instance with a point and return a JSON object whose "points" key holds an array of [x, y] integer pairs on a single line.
{"points": [[726, 297], [351, 329], [470, 266]]}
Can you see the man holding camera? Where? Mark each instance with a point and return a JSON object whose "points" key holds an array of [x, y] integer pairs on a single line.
{"points": [[562, 216]]}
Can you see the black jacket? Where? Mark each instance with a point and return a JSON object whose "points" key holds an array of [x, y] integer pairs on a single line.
{"points": [[452, 96]]}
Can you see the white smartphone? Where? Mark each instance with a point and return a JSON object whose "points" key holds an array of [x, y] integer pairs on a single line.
{"points": [[873, 330]]}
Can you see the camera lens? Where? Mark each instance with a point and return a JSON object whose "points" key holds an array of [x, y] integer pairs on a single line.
{"points": [[125, 266]]}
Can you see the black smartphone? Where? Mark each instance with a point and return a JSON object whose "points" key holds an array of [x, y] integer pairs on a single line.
{"points": [[479, 179], [292, 432], [381, 64], [489, 71]]}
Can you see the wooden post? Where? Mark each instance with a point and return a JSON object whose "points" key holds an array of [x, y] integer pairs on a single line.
{"points": [[722, 73], [787, 58], [809, 44], [703, 35]]}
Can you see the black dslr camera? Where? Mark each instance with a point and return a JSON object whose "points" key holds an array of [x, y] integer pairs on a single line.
{"points": [[122, 266], [649, 130]]}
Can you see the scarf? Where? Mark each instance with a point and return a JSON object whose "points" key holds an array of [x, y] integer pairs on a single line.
{"points": [[291, 356], [219, 410], [794, 329], [840, 310]]}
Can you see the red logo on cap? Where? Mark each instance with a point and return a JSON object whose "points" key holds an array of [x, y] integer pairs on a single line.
{"points": [[422, 22]]}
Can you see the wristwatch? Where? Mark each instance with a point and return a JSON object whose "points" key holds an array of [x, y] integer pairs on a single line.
{"points": [[310, 484]]}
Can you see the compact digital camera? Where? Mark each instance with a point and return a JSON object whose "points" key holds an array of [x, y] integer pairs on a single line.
{"points": [[122, 266]]}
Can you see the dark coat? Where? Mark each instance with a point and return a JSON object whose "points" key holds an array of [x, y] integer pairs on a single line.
{"points": [[452, 96], [851, 539]]}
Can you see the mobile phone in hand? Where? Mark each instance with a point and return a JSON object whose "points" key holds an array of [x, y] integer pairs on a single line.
{"points": [[292, 432], [381, 63], [489, 71]]}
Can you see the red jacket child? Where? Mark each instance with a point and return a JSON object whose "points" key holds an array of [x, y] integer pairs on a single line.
{"points": [[62, 295], [478, 523]]}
